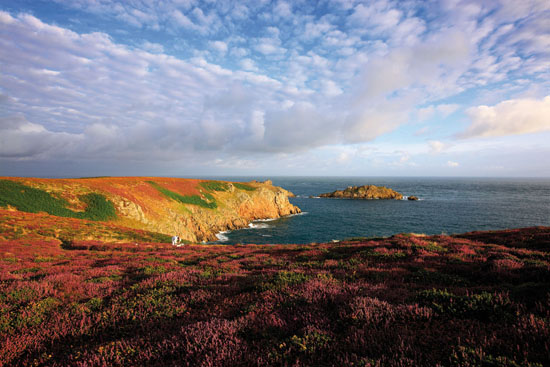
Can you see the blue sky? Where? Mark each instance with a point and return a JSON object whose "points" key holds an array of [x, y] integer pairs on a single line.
{"points": [[343, 87]]}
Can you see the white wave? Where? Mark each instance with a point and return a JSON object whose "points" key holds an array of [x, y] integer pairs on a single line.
{"points": [[407, 198], [254, 225], [293, 215], [265, 220], [266, 235], [222, 236]]}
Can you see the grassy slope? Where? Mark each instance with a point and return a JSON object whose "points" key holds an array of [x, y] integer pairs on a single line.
{"points": [[479, 299], [96, 198]]}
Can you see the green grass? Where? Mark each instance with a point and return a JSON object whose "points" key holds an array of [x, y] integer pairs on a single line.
{"points": [[242, 186], [187, 199], [282, 279], [32, 200], [215, 185], [482, 306]]}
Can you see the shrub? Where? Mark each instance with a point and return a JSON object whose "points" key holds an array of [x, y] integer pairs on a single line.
{"points": [[474, 357], [242, 186], [284, 279], [482, 306], [32, 200], [98, 208], [187, 199], [215, 185]]}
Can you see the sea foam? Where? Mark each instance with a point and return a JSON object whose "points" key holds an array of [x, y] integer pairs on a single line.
{"points": [[222, 236]]}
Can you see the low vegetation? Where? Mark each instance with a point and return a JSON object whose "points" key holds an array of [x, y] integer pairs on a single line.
{"points": [[215, 185], [186, 199], [398, 301], [33, 200], [243, 186]]}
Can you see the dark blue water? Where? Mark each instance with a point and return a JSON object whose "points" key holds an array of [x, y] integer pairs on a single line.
{"points": [[447, 205]]}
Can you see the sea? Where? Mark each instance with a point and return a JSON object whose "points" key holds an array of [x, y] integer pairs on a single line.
{"points": [[446, 206]]}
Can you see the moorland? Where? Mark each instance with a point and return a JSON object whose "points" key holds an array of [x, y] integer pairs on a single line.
{"points": [[81, 287]]}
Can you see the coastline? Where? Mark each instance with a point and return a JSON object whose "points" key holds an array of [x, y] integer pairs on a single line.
{"points": [[222, 238]]}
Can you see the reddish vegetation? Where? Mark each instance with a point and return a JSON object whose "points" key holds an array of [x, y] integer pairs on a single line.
{"points": [[118, 186], [195, 210], [480, 299], [38, 227], [182, 187]]}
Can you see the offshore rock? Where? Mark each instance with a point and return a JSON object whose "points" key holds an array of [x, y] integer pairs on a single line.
{"points": [[413, 198], [367, 192]]}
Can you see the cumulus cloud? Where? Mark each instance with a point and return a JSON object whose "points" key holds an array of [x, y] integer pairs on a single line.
{"points": [[309, 77], [510, 117]]}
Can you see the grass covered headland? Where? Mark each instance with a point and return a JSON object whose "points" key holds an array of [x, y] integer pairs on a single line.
{"points": [[480, 299], [187, 199], [33, 200]]}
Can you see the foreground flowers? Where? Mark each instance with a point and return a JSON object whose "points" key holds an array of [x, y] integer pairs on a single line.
{"points": [[401, 301]]}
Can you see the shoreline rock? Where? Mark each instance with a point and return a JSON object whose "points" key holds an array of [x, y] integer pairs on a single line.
{"points": [[366, 192]]}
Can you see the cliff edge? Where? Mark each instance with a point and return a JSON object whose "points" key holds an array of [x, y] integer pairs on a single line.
{"points": [[195, 210]]}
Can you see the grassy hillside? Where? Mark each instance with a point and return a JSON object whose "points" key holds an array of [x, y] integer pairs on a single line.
{"points": [[32, 200], [192, 209], [480, 299]]}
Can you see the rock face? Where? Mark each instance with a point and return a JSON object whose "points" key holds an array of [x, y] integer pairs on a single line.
{"points": [[239, 209], [368, 192], [140, 202]]}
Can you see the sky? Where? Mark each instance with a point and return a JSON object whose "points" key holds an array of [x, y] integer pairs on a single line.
{"points": [[340, 87]]}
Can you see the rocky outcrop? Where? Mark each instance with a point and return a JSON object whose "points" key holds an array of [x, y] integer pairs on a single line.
{"points": [[239, 209], [368, 192], [194, 210], [412, 198]]}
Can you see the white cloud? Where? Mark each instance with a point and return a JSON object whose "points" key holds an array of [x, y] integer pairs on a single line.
{"points": [[319, 73], [21, 139], [447, 109], [248, 64], [269, 46], [441, 111], [219, 46], [283, 9], [153, 47], [436, 146], [425, 113], [510, 117], [331, 89], [183, 20], [452, 164]]}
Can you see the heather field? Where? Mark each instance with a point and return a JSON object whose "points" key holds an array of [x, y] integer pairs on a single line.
{"points": [[479, 299]]}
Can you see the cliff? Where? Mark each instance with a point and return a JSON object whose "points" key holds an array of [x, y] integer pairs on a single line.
{"points": [[369, 192], [193, 209]]}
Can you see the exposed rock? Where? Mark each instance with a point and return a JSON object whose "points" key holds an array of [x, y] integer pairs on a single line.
{"points": [[369, 192], [412, 197], [140, 205]]}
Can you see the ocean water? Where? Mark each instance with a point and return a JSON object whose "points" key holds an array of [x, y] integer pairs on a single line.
{"points": [[447, 205]]}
